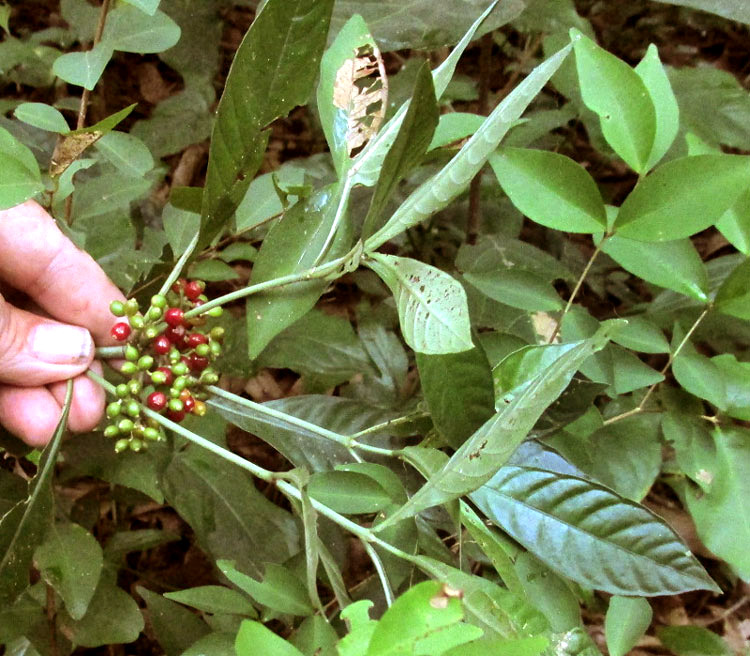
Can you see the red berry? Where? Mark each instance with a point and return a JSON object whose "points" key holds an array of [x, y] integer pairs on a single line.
{"points": [[188, 403], [162, 345], [120, 331], [168, 373], [197, 363], [193, 339], [176, 417], [176, 335], [174, 317], [193, 289], [157, 401], [179, 285]]}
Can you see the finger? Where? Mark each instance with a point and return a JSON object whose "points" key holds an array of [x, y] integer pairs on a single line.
{"points": [[87, 406], [35, 351], [31, 413], [37, 258]]}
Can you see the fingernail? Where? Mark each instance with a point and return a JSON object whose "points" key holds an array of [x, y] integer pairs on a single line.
{"points": [[61, 344]]}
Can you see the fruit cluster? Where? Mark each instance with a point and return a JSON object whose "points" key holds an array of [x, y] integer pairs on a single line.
{"points": [[167, 362]]}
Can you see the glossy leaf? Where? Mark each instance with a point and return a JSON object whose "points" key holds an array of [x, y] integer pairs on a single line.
{"points": [[551, 189], [493, 443], [671, 264], [626, 621], [438, 191], [288, 37], [615, 92], [42, 116], [682, 197], [455, 126], [640, 334], [431, 304], [734, 224], [70, 560], [520, 289], [175, 627], [621, 547], [701, 377], [293, 244], [131, 30], [215, 644], [348, 492], [149, 6], [458, 391], [213, 599], [83, 68], [315, 637], [735, 10], [21, 178], [128, 153], [667, 112], [733, 297], [254, 638], [736, 375]]}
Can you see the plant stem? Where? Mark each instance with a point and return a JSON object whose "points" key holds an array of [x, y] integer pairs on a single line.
{"points": [[577, 288], [382, 575], [177, 269], [340, 209], [398, 421], [312, 273], [639, 408], [109, 352]]}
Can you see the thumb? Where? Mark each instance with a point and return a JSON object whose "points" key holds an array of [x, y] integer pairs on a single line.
{"points": [[37, 351]]}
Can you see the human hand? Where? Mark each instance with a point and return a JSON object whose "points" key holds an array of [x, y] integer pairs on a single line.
{"points": [[38, 354]]}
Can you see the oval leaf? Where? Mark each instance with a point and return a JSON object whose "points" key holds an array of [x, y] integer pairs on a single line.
{"points": [[626, 621], [131, 30], [83, 68], [733, 297], [21, 178], [42, 116], [348, 492]]}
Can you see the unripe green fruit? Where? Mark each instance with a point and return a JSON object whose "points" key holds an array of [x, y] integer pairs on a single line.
{"points": [[174, 356], [151, 434], [131, 307], [158, 377], [136, 444], [128, 368], [209, 377], [134, 387], [151, 332], [180, 369], [122, 445], [137, 321], [159, 301], [146, 362], [174, 392], [113, 409], [203, 350], [111, 431], [133, 408], [125, 425], [122, 390], [175, 405], [154, 313], [215, 312], [180, 383], [215, 349], [217, 333], [131, 353], [117, 308]]}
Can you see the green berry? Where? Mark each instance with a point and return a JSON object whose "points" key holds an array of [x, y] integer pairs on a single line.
{"points": [[131, 353], [117, 308], [154, 313], [113, 409], [214, 312], [174, 355], [125, 425], [174, 392], [131, 307], [134, 387], [151, 332], [215, 349], [180, 383], [180, 369], [122, 445], [151, 434], [209, 377], [146, 362], [136, 445], [122, 390], [217, 333], [128, 368], [158, 377], [203, 350], [111, 431], [133, 408], [175, 405], [159, 301], [137, 321]]}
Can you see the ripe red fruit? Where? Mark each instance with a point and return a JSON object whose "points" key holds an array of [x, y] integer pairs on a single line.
{"points": [[179, 285], [174, 317], [120, 331], [176, 417], [193, 289], [188, 403], [162, 345], [197, 363], [193, 339], [176, 335], [168, 373], [157, 401]]}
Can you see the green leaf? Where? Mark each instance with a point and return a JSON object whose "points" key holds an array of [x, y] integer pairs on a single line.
{"points": [[212, 270], [176, 627], [620, 546], [640, 334], [453, 127], [131, 30], [315, 637], [696, 189], [692, 641], [733, 297], [495, 441], [520, 289], [737, 378], [280, 590], [293, 244], [254, 638], [734, 224], [458, 390], [550, 189], [438, 191], [83, 68], [23, 528], [727, 478], [651, 71], [215, 644], [180, 227], [126, 152], [149, 6], [239, 251], [261, 201], [348, 492], [42, 116], [700, 376], [213, 599], [113, 618], [616, 93], [671, 264], [70, 560], [735, 10], [432, 305], [626, 621], [408, 149], [21, 177], [288, 36]]}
